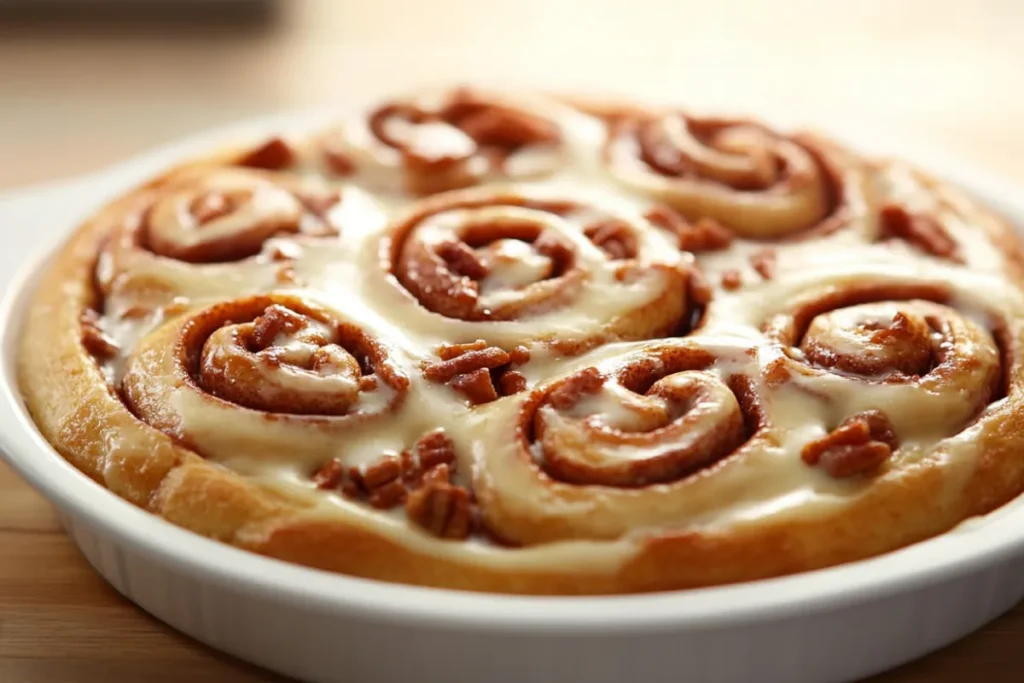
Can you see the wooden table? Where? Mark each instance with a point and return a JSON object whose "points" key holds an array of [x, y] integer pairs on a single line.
{"points": [[75, 96]]}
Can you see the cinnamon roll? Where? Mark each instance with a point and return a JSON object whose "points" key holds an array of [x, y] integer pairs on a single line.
{"points": [[230, 367], [527, 344], [481, 256], [757, 182], [450, 139]]}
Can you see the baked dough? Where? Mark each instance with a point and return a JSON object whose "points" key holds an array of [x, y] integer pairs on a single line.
{"points": [[516, 343]]}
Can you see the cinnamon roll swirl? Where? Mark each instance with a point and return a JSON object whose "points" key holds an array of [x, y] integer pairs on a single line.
{"points": [[481, 256], [757, 182], [529, 345], [450, 139]]}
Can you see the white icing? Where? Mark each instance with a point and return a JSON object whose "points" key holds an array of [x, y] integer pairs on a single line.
{"points": [[770, 483]]}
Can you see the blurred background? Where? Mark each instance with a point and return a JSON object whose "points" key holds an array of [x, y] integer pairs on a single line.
{"points": [[85, 82]]}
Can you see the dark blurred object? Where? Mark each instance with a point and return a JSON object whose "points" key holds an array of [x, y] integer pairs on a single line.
{"points": [[191, 16]]}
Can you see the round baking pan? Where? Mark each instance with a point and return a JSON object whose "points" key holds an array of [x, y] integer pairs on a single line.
{"points": [[830, 625]]}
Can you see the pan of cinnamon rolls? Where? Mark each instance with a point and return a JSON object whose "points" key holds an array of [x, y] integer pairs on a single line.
{"points": [[520, 343]]}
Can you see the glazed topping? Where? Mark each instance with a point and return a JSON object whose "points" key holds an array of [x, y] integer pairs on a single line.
{"points": [[713, 314]]}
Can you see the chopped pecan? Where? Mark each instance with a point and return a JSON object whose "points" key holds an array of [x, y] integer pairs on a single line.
{"points": [[858, 445], [330, 475], [763, 261], [920, 230], [97, 342], [666, 218], [511, 382], [449, 351], [421, 477], [462, 259], [706, 234], [387, 495], [731, 279], [384, 470], [477, 371], [566, 395], [614, 237], [477, 386], [519, 355], [380, 482], [445, 370], [441, 508], [435, 448], [273, 155], [846, 461]]}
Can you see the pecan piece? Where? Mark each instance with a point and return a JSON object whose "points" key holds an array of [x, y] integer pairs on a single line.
{"points": [[381, 481], [446, 370], [920, 230], [731, 279], [511, 382], [330, 475], [706, 234], [273, 155], [846, 461], [860, 444], [519, 355], [435, 448], [449, 351], [440, 507], [477, 371], [387, 496], [385, 470], [477, 386], [614, 237]]}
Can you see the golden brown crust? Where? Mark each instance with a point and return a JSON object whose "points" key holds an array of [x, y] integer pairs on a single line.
{"points": [[79, 411]]}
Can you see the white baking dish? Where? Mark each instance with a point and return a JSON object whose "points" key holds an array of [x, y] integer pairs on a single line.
{"points": [[832, 625]]}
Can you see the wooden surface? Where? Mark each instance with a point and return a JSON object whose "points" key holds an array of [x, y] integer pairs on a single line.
{"points": [[76, 95]]}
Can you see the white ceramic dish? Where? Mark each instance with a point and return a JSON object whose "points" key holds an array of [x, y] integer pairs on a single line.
{"points": [[832, 625]]}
